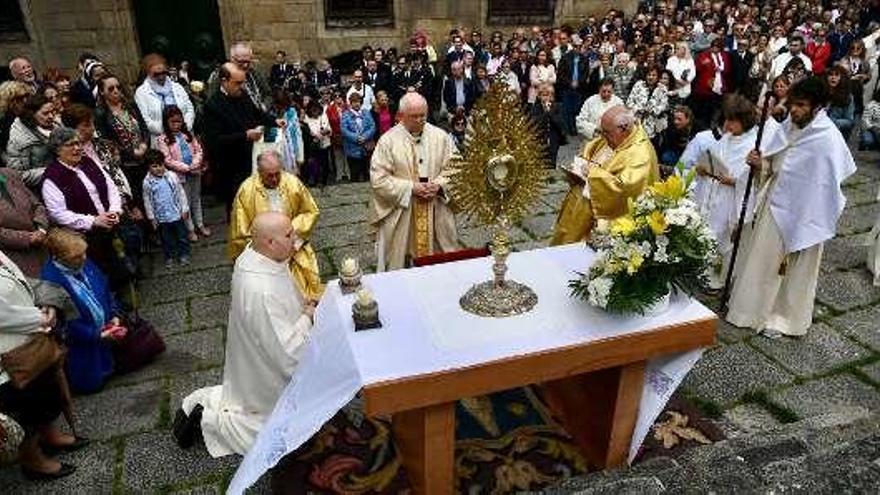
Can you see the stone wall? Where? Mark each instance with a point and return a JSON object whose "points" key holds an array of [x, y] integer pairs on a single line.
{"points": [[61, 29], [297, 26]]}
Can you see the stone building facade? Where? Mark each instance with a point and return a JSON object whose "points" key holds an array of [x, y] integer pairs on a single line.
{"points": [[54, 32]]}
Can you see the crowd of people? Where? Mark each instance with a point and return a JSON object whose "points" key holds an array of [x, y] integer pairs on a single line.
{"points": [[93, 172]]}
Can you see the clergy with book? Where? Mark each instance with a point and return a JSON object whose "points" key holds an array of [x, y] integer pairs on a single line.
{"points": [[614, 167]]}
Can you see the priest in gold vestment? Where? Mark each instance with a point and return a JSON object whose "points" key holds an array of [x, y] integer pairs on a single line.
{"points": [[409, 211], [270, 188], [612, 168]]}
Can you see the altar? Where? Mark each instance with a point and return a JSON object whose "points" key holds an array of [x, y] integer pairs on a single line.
{"points": [[606, 377]]}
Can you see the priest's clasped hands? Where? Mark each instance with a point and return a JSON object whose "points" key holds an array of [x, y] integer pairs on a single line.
{"points": [[425, 190]]}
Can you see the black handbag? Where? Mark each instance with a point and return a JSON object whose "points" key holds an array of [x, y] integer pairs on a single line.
{"points": [[141, 344]]}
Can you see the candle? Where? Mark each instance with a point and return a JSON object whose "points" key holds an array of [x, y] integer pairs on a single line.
{"points": [[364, 297], [349, 266]]}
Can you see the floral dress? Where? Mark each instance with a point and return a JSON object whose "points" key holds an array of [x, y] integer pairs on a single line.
{"points": [[650, 106]]}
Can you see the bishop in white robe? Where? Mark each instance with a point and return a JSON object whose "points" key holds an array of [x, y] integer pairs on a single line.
{"points": [[268, 327], [409, 210], [803, 161]]}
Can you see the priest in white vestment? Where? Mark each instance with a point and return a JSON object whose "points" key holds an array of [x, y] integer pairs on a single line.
{"points": [[721, 180], [409, 211], [269, 324], [588, 120], [803, 162]]}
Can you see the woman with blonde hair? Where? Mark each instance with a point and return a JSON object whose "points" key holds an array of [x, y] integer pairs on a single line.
{"points": [[681, 64], [89, 356], [13, 95]]}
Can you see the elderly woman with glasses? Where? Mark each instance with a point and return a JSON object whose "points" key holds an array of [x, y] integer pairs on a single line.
{"points": [[81, 196], [157, 92]]}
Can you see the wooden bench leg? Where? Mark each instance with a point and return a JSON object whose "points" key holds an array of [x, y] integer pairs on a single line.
{"points": [[599, 410], [426, 440]]}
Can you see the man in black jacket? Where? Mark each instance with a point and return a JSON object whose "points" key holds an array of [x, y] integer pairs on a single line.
{"points": [[520, 65], [375, 78], [572, 82], [232, 123], [741, 62], [280, 70], [459, 91]]}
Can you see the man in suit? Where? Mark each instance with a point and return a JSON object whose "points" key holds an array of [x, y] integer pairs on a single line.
{"points": [[572, 79], [741, 61], [280, 70], [520, 65], [376, 79], [458, 91], [232, 122]]}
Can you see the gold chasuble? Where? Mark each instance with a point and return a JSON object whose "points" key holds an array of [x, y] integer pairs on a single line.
{"points": [[615, 175], [292, 198]]}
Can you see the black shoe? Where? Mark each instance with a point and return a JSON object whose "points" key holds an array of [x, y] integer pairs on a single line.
{"points": [[53, 450], [186, 427], [66, 470]]}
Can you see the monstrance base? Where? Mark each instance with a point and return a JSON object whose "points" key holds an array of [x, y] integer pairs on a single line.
{"points": [[488, 299]]}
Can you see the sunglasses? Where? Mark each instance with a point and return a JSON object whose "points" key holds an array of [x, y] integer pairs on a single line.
{"points": [[161, 74]]}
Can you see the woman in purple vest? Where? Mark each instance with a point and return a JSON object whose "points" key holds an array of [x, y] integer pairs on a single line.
{"points": [[79, 195]]}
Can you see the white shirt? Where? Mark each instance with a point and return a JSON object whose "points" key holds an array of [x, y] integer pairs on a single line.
{"points": [[56, 205], [366, 92]]}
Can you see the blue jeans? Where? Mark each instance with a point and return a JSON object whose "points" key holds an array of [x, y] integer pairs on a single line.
{"points": [[868, 140], [571, 107], [175, 240]]}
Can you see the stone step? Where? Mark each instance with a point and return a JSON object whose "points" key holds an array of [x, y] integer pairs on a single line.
{"points": [[831, 453]]}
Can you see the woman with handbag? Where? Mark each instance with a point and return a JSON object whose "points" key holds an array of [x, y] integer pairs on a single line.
{"points": [[88, 337], [30, 378]]}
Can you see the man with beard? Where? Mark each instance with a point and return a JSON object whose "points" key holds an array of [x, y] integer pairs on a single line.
{"points": [[802, 163]]}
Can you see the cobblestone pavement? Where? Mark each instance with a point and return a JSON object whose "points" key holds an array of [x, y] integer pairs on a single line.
{"points": [[748, 382]]}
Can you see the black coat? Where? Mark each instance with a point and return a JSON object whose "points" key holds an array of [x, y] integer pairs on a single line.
{"points": [[226, 120], [104, 125], [470, 94], [739, 69], [551, 126], [563, 72], [380, 81], [522, 71], [81, 92], [278, 75]]}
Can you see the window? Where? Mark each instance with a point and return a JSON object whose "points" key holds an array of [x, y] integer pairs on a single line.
{"points": [[358, 13], [12, 26], [521, 12]]}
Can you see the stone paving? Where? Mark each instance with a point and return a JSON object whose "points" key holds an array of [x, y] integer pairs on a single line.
{"points": [[747, 382]]}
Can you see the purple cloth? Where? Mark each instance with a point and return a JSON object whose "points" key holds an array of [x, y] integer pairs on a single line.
{"points": [[75, 194]]}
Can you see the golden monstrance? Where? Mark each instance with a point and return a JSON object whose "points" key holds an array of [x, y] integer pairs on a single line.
{"points": [[497, 179]]}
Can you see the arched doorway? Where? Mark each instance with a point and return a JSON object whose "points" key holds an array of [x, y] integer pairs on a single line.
{"points": [[181, 30]]}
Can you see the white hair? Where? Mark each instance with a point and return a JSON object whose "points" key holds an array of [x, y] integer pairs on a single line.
{"points": [[411, 100], [266, 154], [240, 46]]}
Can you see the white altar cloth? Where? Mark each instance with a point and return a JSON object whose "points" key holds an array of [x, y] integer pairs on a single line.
{"points": [[425, 331]]}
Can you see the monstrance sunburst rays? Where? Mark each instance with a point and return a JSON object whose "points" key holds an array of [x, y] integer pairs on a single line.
{"points": [[497, 179]]}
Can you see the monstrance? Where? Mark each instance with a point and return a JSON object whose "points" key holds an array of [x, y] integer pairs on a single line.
{"points": [[497, 179]]}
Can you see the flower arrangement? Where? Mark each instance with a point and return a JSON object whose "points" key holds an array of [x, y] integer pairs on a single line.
{"points": [[661, 243]]}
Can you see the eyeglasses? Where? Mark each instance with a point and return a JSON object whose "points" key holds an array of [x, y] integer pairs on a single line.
{"points": [[74, 143], [114, 87]]}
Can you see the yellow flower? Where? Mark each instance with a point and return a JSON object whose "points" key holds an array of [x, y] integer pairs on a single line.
{"points": [[671, 188], [657, 222], [624, 226], [634, 263]]}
